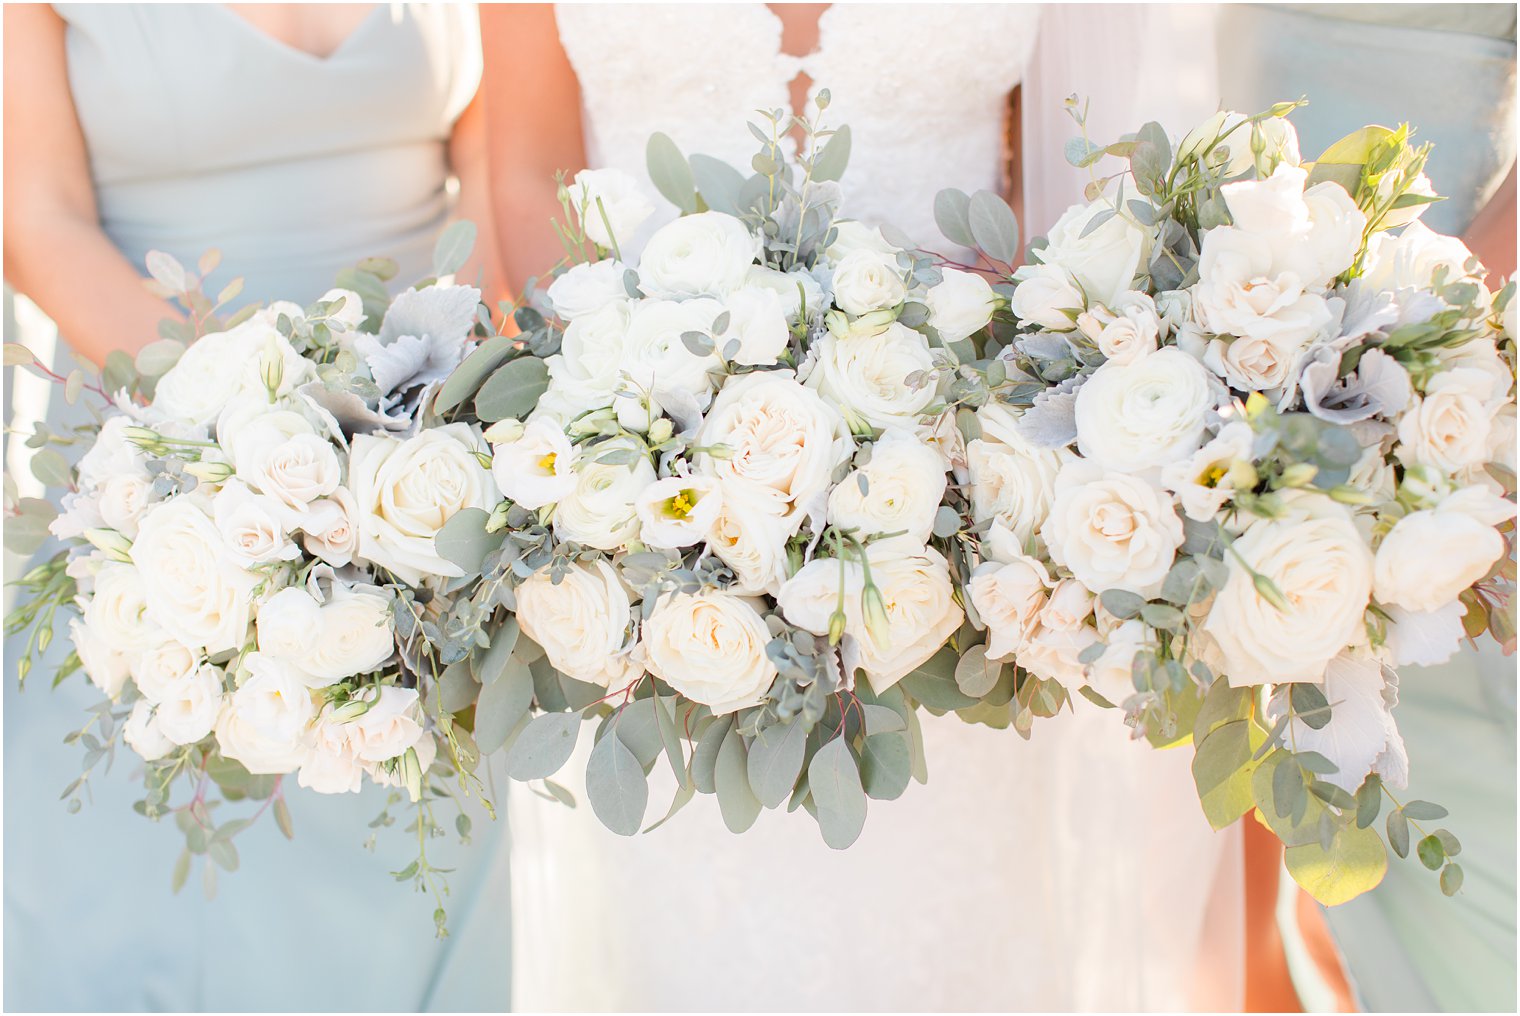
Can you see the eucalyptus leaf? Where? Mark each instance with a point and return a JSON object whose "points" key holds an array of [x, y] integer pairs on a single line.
{"points": [[1354, 864], [831, 162], [616, 786], [717, 182], [994, 226], [543, 746], [502, 705], [975, 675], [885, 765], [473, 371], [834, 781], [736, 800], [933, 682], [463, 540], [453, 247], [670, 172], [704, 760], [775, 761], [952, 214], [513, 390]]}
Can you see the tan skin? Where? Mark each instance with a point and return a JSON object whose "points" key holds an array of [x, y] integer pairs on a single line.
{"points": [[1492, 234], [53, 236]]}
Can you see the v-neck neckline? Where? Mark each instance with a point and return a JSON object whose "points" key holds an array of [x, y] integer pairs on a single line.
{"points": [[297, 52]]}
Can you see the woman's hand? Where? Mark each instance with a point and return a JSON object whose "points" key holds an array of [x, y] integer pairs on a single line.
{"points": [[55, 250]]}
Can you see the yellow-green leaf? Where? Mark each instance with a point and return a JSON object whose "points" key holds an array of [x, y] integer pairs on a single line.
{"points": [[1354, 864]]}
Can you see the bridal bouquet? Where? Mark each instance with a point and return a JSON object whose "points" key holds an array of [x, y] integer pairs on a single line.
{"points": [[1244, 443], [249, 550]]}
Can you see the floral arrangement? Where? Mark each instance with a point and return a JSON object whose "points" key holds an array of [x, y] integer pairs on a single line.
{"points": [[249, 549], [1242, 444]]}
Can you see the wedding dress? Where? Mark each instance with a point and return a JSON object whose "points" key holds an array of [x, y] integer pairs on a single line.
{"points": [[1072, 871]]}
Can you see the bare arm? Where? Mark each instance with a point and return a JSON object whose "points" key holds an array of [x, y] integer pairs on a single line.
{"points": [[1492, 234], [467, 157], [533, 130], [55, 250]]}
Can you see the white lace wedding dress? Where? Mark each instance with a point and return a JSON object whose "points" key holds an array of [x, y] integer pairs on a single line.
{"points": [[1073, 871]]}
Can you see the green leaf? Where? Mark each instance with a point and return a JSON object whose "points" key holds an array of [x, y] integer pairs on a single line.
{"points": [[718, 183], [1162, 616], [670, 172], [1222, 769], [1121, 603], [182, 872], [885, 765], [933, 682], [882, 719], [1398, 832], [282, 818], [1432, 855], [453, 247], [975, 675], [505, 641], [616, 786], [543, 746], [17, 355], [639, 729], [1451, 879], [502, 705], [775, 761], [670, 738], [27, 531], [463, 540], [469, 375], [831, 162], [166, 270], [512, 391], [834, 781], [223, 853], [156, 358], [684, 793], [994, 226], [704, 760], [737, 802], [1354, 864], [952, 214], [1369, 800], [1221, 704], [1309, 704], [1424, 811], [49, 466]]}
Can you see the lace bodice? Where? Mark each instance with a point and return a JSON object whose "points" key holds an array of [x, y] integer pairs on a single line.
{"points": [[875, 59]]}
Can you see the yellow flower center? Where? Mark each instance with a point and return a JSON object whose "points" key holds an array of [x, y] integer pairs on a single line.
{"points": [[547, 463], [1211, 476], [681, 505]]}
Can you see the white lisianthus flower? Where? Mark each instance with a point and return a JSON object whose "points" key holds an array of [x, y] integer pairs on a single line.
{"points": [[331, 528], [1012, 481], [851, 236], [1132, 417], [866, 376], [1315, 233], [330, 765], [604, 199], [656, 359], [587, 288], [1451, 427], [590, 355], [867, 280], [123, 500], [1430, 557], [1009, 597], [190, 587], [354, 635], [156, 669], [779, 435], [707, 254], [389, 727], [897, 492], [1103, 261], [800, 293], [1320, 570], [757, 319], [142, 734], [252, 526], [406, 489], [1208, 478], [538, 468], [1125, 332], [1112, 530], [117, 611], [107, 668], [960, 304], [600, 510], [710, 647], [274, 699], [920, 607], [749, 535], [581, 622], [1046, 295], [189, 710], [678, 511], [1052, 650]]}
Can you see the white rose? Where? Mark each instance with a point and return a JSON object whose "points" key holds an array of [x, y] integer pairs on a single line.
{"points": [[1046, 296], [1011, 480], [156, 669], [587, 288], [210, 374], [707, 254], [757, 320], [851, 236], [249, 429], [960, 305], [1336, 226], [921, 612], [1320, 563], [330, 765], [117, 611], [897, 492], [604, 199], [354, 635], [810, 598], [331, 528], [581, 622], [779, 434], [107, 668], [600, 510], [1205, 481], [1133, 417], [1053, 650], [1451, 427], [252, 526], [288, 624], [1104, 261], [1373, 474], [188, 712], [274, 699], [657, 360], [866, 376], [111, 454], [1009, 598], [1111, 674], [538, 468], [800, 293], [239, 740], [710, 647], [192, 591], [867, 280], [142, 734], [1112, 530], [123, 499], [1430, 557], [1125, 332], [389, 727], [749, 535], [295, 471], [406, 489], [678, 511]]}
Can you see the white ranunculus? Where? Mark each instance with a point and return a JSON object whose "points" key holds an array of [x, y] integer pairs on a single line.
{"points": [[867, 280], [189, 710], [678, 511], [240, 740], [274, 699], [779, 435], [1011, 480], [866, 376], [960, 305], [389, 727], [252, 526], [897, 492], [191, 589], [1009, 598], [106, 667], [1409, 259], [609, 199], [581, 621], [538, 468], [799, 292], [118, 612], [156, 669], [749, 535], [921, 612], [710, 647], [590, 355], [210, 374], [656, 358], [142, 734], [1046, 295], [851, 236], [1125, 332], [1430, 557], [354, 635], [405, 489], [330, 765], [1205, 481], [1112, 530], [757, 320], [707, 254], [587, 288], [1320, 564], [1450, 428], [600, 510], [1132, 417], [1103, 261], [1052, 650], [123, 499], [1315, 233], [331, 528]]}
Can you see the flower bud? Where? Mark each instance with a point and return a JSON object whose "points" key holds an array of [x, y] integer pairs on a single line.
{"points": [[411, 770], [878, 626], [116, 546], [210, 472], [1298, 475], [351, 710], [836, 627], [483, 459], [498, 518], [504, 431], [661, 431], [272, 368], [1347, 494], [1267, 590]]}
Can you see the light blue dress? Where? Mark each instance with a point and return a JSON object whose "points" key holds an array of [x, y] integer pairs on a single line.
{"points": [[204, 132], [1449, 70]]}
